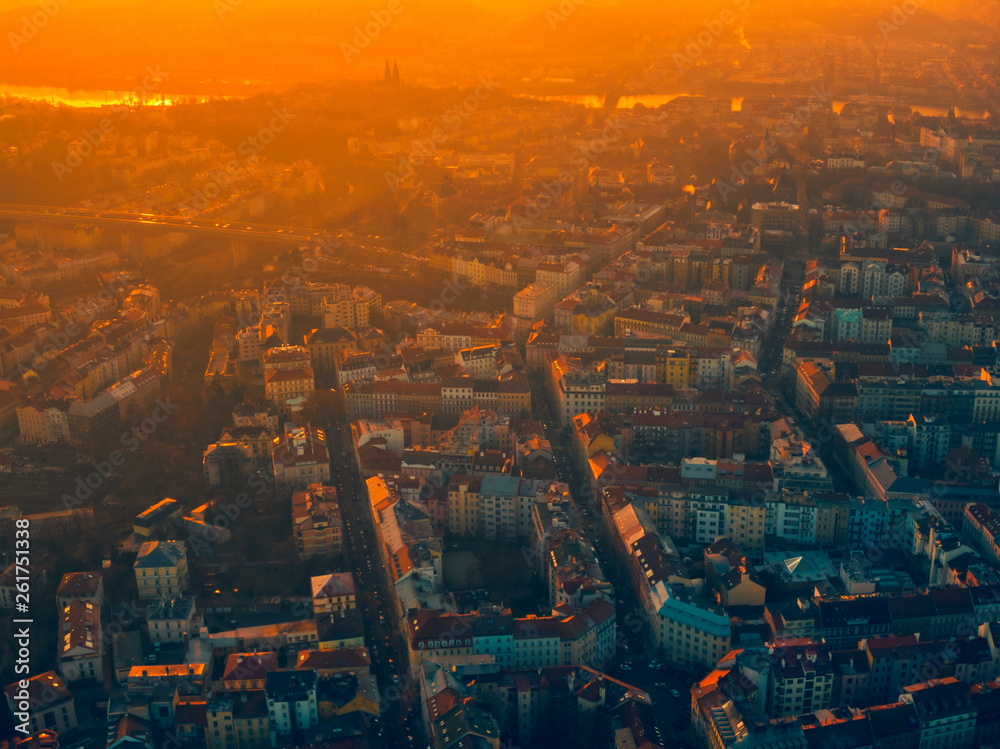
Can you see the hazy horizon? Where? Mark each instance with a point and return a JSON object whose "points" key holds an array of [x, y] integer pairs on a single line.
{"points": [[567, 324], [234, 46]]}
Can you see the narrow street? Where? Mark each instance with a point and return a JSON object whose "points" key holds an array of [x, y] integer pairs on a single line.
{"points": [[669, 689], [383, 639], [570, 474]]}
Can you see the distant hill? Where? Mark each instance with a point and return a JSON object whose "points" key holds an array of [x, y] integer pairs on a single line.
{"points": [[222, 46]]}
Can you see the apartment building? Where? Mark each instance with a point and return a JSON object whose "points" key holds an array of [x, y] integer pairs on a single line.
{"points": [[51, 706], [292, 705], [161, 569], [349, 308], [536, 301], [576, 388], [285, 387], [316, 522], [238, 720], [81, 586], [802, 680], [325, 343], [945, 711], [171, 619], [982, 526], [81, 647], [687, 629], [493, 507], [334, 592], [567, 637], [299, 457]]}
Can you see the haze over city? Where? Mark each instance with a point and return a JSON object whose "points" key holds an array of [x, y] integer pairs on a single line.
{"points": [[612, 374]]}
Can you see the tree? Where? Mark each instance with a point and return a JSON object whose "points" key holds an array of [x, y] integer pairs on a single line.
{"points": [[815, 232], [323, 407]]}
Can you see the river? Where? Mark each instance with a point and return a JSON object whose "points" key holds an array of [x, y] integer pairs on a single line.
{"points": [[658, 100], [98, 98]]}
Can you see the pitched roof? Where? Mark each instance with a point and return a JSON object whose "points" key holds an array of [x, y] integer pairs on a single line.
{"points": [[333, 585], [160, 554], [43, 690], [338, 658], [249, 666], [79, 627]]}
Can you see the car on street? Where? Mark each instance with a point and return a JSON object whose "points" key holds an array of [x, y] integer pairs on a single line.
{"points": [[674, 693]]}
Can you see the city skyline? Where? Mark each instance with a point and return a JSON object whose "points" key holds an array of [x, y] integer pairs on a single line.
{"points": [[590, 373]]}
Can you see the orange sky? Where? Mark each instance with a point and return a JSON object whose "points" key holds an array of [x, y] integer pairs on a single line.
{"points": [[212, 46]]}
